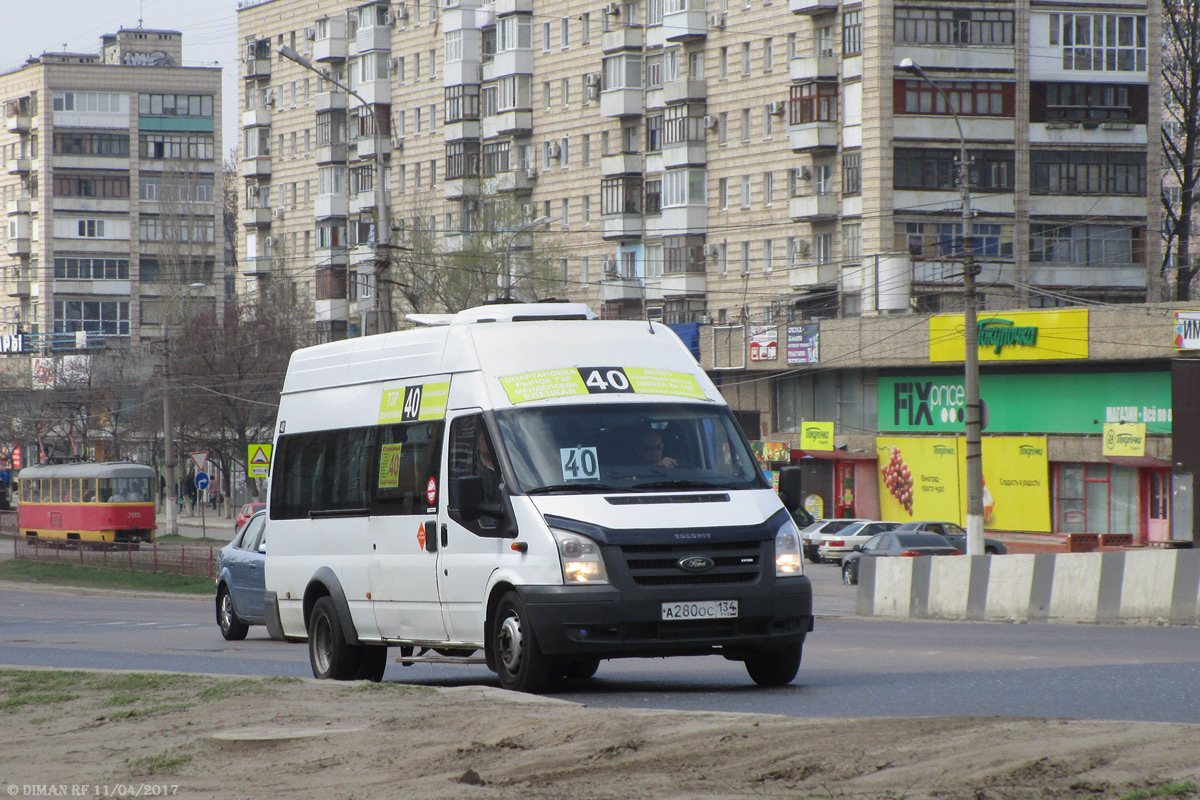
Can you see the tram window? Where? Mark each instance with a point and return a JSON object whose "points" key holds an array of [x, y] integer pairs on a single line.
{"points": [[55, 492], [75, 490], [89, 490], [35, 491], [106, 491]]}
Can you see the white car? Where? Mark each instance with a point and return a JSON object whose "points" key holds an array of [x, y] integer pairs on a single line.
{"points": [[810, 537], [833, 546]]}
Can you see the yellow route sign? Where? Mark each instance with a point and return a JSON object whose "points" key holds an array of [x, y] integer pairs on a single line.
{"points": [[258, 460]]}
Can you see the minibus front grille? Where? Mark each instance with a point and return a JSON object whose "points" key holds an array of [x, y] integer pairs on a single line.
{"points": [[658, 565], [665, 499]]}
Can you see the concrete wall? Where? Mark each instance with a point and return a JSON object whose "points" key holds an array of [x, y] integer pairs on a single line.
{"points": [[1140, 587]]}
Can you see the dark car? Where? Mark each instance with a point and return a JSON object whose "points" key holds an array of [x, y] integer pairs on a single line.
{"points": [[956, 535], [895, 544], [241, 585]]}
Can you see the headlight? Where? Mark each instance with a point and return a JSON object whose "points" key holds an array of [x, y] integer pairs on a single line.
{"points": [[580, 558], [787, 551]]}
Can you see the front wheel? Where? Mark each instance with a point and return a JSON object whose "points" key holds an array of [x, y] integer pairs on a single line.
{"points": [[776, 668], [581, 668], [329, 653], [849, 574], [372, 663], [232, 629], [520, 664]]}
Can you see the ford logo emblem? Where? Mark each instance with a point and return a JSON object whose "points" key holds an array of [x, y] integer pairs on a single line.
{"points": [[696, 564]]}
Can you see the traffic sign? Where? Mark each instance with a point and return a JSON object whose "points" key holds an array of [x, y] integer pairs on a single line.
{"points": [[259, 460], [202, 480], [200, 460]]}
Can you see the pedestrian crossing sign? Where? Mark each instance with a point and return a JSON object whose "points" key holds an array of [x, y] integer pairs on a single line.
{"points": [[258, 461]]}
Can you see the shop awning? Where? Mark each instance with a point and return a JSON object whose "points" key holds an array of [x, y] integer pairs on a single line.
{"points": [[833, 455], [1149, 462]]}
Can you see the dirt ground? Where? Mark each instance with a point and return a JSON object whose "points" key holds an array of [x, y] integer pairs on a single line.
{"points": [[121, 734]]}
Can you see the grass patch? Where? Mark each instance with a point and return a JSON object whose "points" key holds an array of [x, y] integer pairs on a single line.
{"points": [[149, 711], [22, 570], [1166, 790], [137, 681], [200, 541], [163, 762], [35, 699], [367, 687]]}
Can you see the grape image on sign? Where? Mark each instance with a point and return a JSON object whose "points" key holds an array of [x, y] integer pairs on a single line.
{"points": [[897, 477]]}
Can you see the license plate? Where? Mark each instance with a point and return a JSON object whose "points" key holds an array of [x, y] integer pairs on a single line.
{"points": [[712, 609]]}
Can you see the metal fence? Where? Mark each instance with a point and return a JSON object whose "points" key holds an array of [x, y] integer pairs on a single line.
{"points": [[175, 559]]}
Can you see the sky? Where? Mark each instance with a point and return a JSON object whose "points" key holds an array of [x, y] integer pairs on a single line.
{"points": [[209, 30]]}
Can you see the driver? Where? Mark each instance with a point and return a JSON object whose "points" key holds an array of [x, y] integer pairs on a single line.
{"points": [[650, 449]]}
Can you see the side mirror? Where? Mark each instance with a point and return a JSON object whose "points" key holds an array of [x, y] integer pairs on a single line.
{"points": [[790, 488], [858, 548], [468, 496]]}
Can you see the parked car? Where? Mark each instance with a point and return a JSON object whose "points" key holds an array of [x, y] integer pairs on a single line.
{"points": [[956, 535], [241, 585], [833, 546], [810, 536], [895, 544], [248, 510]]}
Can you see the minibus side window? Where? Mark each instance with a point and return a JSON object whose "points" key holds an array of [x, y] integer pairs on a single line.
{"points": [[407, 456], [322, 471], [472, 453]]}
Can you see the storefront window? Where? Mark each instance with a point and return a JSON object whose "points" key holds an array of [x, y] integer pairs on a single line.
{"points": [[1096, 498]]}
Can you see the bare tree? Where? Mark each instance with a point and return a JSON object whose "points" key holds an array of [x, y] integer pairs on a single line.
{"points": [[1180, 135]]}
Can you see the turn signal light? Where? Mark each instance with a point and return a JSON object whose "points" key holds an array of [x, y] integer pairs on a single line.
{"points": [[836, 543], [911, 553]]}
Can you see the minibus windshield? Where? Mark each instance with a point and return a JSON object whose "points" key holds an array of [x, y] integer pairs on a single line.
{"points": [[626, 447]]}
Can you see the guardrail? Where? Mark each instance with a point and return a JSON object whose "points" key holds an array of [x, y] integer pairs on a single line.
{"points": [[174, 559]]}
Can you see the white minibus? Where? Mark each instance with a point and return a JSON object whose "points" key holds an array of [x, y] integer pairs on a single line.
{"points": [[530, 487]]}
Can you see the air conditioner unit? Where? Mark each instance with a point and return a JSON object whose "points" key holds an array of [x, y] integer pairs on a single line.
{"points": [[613, 9], [531, 173], [711, 122], [592, 79], [712, 250], [775, 108], [593, 93], [270, 98], [401, 12], [716, 20], [397, 142], [555, 150], [803, 247], [610, 268], [310, 34], [270, 242], [805, 173], [277, 213], [393, 65]]}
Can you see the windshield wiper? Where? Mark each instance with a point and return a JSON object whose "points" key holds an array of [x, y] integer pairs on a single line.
{"points": [[679, 484], [576, 488]]}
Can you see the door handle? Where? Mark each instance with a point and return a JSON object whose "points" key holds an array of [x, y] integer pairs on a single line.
{"points": [[430, 536], [445, 535]]}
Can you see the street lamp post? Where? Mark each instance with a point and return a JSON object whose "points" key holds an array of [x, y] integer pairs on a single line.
{"points": [[168, 433], [975, 545], [383, 284], [508, 274]]}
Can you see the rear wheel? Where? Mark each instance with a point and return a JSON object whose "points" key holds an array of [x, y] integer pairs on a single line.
{"points": [[329, 653], [231, 628], [520, 663], [776, 668]]}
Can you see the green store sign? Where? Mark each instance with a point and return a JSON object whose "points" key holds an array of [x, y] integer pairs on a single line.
{"points": [[1043, 403]]}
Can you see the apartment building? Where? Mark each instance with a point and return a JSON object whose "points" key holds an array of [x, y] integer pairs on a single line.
{"points": [[111, 179]]}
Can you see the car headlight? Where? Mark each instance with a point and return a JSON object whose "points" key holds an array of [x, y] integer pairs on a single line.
{"points": [[580, 558], [787, 551]]}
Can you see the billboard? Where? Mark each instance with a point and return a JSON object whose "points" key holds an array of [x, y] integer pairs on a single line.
{"points": [[1013, 335]]}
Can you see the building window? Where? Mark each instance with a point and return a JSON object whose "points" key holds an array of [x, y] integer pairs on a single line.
{"points": [[654, 197], [91, 269], [813, 102], [178, 147], [1085, 245], [1088, 102], [852, 173], [852, 241], [91, 186], [107, 145], [654, 133], [495, 158], [683, 254], [621, 195], [654, 72], [852, 33], [1100, 42], [960, 26], [514, 32], [991, 170], [684, 310], [623, 71], [768, 189], [93, 316], [683, 187], [768, 54], [462, 102], [1096, 498], [90, 228], [1077, 172], [967, 98], [683, 123]]}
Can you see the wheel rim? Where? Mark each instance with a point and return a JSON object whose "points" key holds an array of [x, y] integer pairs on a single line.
{"points": [[846, 574], [322, 638], [226, 611], [510, 643]]}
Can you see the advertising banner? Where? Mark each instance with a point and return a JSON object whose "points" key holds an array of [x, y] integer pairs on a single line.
{"points": [[1124, 439], [918, 478], [764, 343], [1016, 483], [1187, 330], [1013, 335], [1028, 403], [768, 452], [816, 435], [803, 344]]}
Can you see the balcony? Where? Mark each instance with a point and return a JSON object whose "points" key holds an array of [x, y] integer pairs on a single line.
{"points": [[376, 92], [19, 123], [330, 101], [507, 122], [257, 117], [20, 166], [256, 217], [626, 38], [376, 37], [330, 49], [684, 26], [951, 57], [685, 90], [510, 62], [621, 164], [621, 289], [950, 273], [256, 167], [685, 219], [1118, 276], [366, 146], [683, 283], [256, 265], [331, 154], [622, 226], [517, 180], [808, 68], [809, 275], [20, 289], [621, 103], [813, 136], [684, 154], [461, 131], [363, 201], [257, 68], [812, 8], [19, 246], [22, 205], [330, 205], [814, 206]]}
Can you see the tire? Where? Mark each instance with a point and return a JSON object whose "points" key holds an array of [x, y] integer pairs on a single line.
{"points": [[849, 574], [231, 627], [372, 663], [520, 664], [580, 669], [777, 668], [991, 551], [329, 654]]}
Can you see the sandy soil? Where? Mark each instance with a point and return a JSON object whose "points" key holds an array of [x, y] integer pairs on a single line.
{"points": [[199, 737]]}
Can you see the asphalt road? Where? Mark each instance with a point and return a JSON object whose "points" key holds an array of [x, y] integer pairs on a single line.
{"points": [[852, 667]]}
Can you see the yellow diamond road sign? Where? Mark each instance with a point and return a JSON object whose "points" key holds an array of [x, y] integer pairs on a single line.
{"points": [[259, 460]]}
